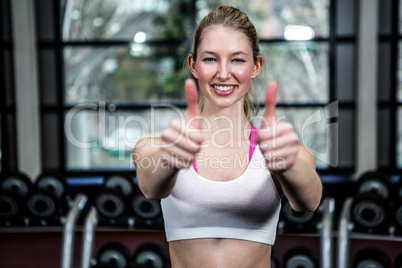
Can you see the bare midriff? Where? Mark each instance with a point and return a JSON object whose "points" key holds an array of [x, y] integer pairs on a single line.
{"points": [[219, 253]]}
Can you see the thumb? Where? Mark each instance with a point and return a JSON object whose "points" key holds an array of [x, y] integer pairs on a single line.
{"points": [[191, 98], [269, 115]]}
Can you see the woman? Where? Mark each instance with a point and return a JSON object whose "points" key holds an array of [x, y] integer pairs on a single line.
{"points": [[220, 179]]}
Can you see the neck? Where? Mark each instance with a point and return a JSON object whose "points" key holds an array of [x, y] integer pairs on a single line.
{"points": [[226, 123]]}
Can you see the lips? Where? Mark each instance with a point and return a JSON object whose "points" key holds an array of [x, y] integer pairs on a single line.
{"points": [[223, 90]]}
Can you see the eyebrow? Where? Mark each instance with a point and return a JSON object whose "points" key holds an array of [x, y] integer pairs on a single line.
{"points": [[214, 53]]}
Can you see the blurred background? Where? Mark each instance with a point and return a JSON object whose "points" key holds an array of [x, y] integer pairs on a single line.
{"points": [[107, 72], [109, 68], [83, 80]]}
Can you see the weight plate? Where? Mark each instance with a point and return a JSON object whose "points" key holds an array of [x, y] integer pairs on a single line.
{"points": [[375, 182], [294, 216], [150, 254], [368, 213], [150, 258], [115, 254], [110, 204], [52, 182], [145, 208], [375, 186], [369, 264], [42, 204], [121, 183], [369, 210], [10, 205], [300, 258], [17, 183], [372, 258], [300, 261]]}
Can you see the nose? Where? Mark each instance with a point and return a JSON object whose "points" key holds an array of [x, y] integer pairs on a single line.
{"points": [[224, 71]]}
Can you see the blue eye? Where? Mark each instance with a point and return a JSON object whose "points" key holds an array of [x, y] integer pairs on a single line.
{"points": [[208, 59], [239, 60]]}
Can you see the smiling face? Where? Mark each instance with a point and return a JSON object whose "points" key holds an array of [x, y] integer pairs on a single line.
{"points": [[224, 66]]}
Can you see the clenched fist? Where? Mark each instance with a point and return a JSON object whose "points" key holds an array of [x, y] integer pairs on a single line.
{"points": [[277, 139], [182, 139]]}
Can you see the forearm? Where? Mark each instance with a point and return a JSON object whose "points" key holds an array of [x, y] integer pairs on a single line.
{"points": [[301, 184], [155, 178]]}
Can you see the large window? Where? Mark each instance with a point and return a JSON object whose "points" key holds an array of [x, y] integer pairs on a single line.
{"points": [[120, 67]]}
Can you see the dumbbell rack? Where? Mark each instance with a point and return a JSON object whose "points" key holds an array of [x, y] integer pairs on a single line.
{"points": [[42, 246], [69, 230], [320, 242], [54, 245], [349, 242]]}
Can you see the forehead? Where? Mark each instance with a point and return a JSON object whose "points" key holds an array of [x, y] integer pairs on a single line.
{"points": [[224, 37]]}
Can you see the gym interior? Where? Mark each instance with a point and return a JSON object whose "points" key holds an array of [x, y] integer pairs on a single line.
{"points": [[82, 81]]}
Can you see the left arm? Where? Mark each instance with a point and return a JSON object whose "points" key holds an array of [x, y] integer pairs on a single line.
{"points": [[300, 182], [291, 164]]}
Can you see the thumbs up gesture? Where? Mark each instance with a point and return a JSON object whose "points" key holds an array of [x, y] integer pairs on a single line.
{"points": [[182, 139], [277, 140]]}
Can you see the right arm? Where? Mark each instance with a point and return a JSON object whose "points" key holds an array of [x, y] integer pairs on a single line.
{"points": [[155, 178], [158, 160]]}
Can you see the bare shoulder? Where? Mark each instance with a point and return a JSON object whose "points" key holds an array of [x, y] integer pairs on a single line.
{"points": [[306, 155]]}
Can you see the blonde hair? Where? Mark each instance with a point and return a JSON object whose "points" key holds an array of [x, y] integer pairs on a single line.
{"points": [[236, 19]]}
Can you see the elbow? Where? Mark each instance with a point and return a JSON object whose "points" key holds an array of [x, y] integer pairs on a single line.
{"points": [[313, 207], [150, 193], [306, 206], [313, 204]]}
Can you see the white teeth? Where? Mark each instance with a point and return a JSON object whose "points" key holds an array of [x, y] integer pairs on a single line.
{"points": [[224, 88]]}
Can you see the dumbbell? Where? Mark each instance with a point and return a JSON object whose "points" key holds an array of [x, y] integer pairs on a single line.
{"points": [[398, 209], [14, 189], [54, 182], [48, 201], [113, 254], [371, 257], [300, 258], [370, 209], [16, 182], [293, 221], [11, 207], [111, 202], [147, 212], [121, 182], [150, 255]]}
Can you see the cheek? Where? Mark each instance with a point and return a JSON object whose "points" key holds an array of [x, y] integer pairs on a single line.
{"points": [[243, 74], [205, 74]]}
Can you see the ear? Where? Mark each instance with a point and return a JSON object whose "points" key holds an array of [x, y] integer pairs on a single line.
{"points": [[191, 65], [258, 66]]}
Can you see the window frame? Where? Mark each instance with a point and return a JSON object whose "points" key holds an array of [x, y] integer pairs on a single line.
{"points": [[61, 108], [392, 105], [7, 106]]}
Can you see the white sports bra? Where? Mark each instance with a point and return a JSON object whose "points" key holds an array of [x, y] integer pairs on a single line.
{"points": [[245, 208]]}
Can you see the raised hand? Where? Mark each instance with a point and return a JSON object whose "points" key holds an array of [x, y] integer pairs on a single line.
{"points": [[277, 139], [182, 139]]}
